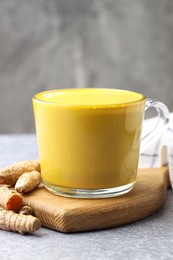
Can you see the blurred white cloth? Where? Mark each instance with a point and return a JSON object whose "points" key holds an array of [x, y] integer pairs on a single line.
{"points": [[160, 152]]}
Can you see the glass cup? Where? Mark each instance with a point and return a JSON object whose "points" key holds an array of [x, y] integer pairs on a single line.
{"points": [[89, 140]]}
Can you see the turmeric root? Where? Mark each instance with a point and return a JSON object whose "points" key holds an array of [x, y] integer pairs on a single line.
{"points": [[12, 221], [26, 210], [28, 181], [9, 175], [9, 199]]}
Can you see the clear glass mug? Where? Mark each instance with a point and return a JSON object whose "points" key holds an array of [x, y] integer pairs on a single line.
{"points": [[89, 140]]}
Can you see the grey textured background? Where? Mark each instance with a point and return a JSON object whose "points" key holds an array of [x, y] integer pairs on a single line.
{"points": [[82, 43]]}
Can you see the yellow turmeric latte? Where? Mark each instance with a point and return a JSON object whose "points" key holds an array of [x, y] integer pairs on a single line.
{"points": [[88, 138]]}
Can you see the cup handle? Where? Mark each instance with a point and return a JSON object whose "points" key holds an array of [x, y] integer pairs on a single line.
{"points": [[160, 126]]}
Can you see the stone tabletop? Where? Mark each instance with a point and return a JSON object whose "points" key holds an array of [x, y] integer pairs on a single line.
{"points": [[151, 238]]}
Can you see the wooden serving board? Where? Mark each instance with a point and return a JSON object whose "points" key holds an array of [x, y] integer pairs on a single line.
{"points": [[74, 215]]}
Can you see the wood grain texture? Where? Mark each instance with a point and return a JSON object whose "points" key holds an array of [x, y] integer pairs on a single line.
{"points": [[75, 215]]}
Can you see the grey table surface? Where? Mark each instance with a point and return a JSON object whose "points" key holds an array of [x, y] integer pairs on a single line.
{"points": [[151, 238]]}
